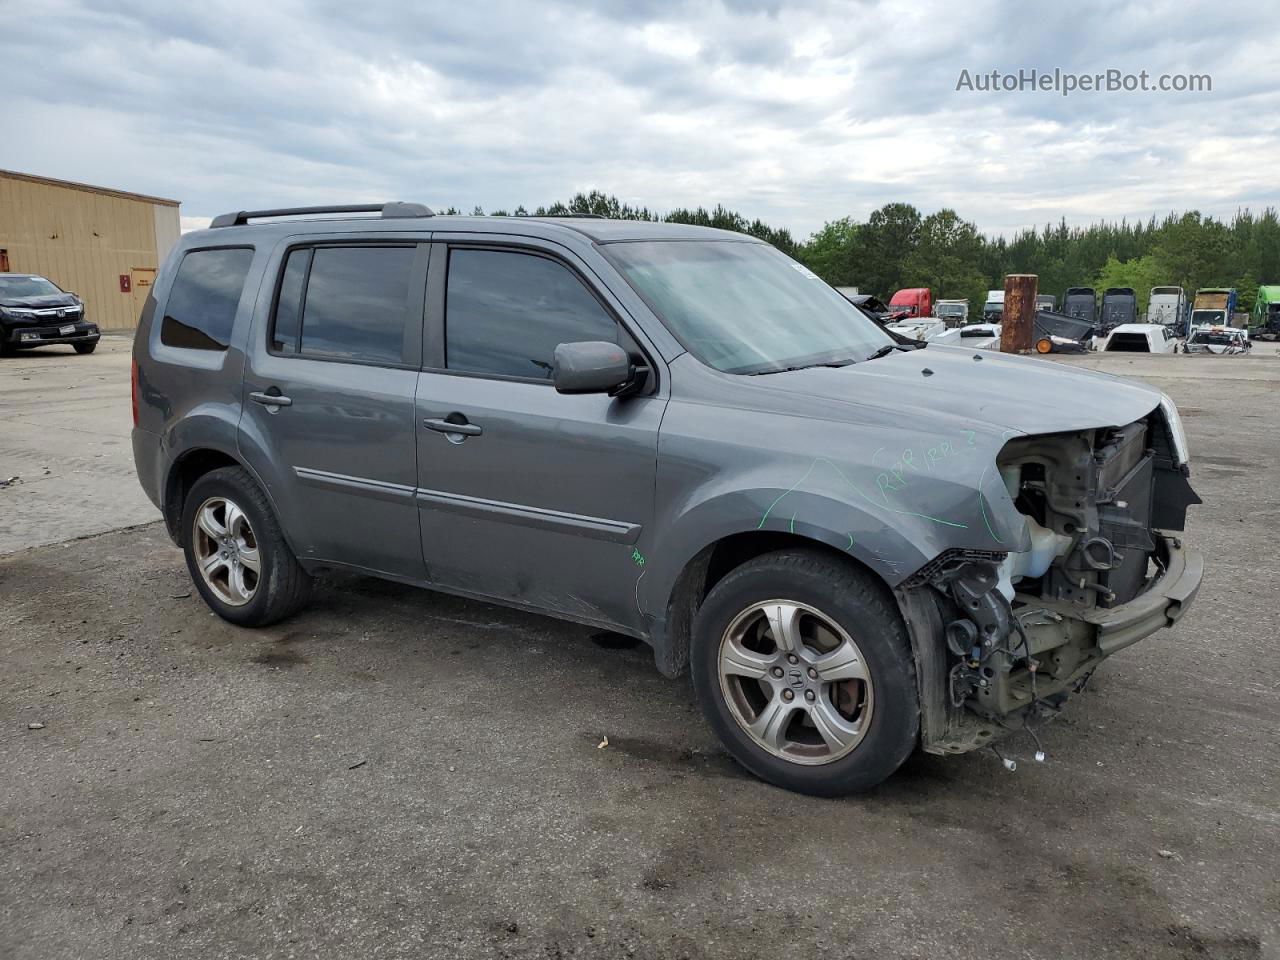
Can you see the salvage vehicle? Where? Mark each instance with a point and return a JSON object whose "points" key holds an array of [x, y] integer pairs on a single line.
{"points": [[36, 312], [954, 313], [1213, 306], [1218, 340], [993, 309], [873, 307], [1168, 306], [857, 547], [918, 328], [915, 301], [973, 336], [1140, 338], [1264, 324], [1061, 333], [1045, 301], [1119, 307], [1081, 302]]}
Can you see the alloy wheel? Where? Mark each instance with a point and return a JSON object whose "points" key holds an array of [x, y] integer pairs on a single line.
{"points": [[226, 551]]}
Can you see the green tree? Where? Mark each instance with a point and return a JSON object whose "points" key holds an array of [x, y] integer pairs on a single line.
{"points": [[1141, 273], [833, 253]]}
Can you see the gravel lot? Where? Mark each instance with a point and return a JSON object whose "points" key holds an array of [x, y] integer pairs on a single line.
{"points": [[399, 774]]}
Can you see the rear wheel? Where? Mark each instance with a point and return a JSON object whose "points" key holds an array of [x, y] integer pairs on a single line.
{"points": [[236, 553], [803, 669], [85, 347]]}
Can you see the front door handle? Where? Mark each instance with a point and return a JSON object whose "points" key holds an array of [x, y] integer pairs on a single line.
{"points": [[448, 426], [270, 399]]}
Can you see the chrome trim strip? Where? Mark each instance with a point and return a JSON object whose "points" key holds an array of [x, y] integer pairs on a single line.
{"points": [[615, 531]]}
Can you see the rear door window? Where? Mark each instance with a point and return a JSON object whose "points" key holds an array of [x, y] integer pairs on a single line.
{"points": [[201, 308], [346, 303]]}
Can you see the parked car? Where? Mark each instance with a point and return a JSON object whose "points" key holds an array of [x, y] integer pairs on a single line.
{"points": [[1218, 340], [915, 301], [857, 546], [36, 312], [954, 313], [1167, 306], [1140, 338]]}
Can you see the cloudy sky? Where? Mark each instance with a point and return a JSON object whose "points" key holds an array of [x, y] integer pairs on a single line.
{"points": [[793, 112]]}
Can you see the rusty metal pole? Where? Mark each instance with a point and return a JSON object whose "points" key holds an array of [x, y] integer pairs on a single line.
{"points": [[1019, 322]]}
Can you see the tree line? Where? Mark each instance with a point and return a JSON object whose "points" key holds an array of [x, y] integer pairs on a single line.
{"points": [[897, 246]]}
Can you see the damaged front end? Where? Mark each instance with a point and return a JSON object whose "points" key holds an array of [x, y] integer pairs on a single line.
{"points": [[1002, 637]]}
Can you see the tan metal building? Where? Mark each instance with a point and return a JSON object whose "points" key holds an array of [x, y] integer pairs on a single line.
{"points": [[104, 245]]}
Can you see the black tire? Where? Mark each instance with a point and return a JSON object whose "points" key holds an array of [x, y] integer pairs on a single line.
{"points": [[283, 586], [85, 347], [6, 350], [859, 605]]}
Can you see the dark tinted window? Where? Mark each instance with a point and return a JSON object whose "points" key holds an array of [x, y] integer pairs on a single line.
{"points": [[507, 312], [201, 308], [357, 303], [288, 322]]}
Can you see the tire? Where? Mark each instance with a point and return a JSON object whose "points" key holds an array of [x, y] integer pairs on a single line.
{"points": [[6, 350], [228, 501], [85, 347], [848, 628]]}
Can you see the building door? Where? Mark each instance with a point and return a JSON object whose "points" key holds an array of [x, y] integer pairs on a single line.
{"points": [[140, 282]]}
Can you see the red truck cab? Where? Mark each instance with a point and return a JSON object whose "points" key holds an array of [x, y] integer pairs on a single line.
{"points": [[917, 301]]}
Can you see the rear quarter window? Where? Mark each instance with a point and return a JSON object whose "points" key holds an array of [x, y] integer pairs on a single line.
{"points": [[201, 308]]}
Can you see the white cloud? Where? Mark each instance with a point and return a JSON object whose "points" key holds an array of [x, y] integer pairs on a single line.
{"points": [[792, 113]]}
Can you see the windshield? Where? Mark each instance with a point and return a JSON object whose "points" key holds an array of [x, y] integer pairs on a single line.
{"points": [[1205, 336], [745, 307], [992, 307], [1208, 316], [950, 310], [27, 287]]}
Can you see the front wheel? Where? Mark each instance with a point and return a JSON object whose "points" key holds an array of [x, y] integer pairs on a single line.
{"points": [[236, 553], [802, 666], [85, 347]]}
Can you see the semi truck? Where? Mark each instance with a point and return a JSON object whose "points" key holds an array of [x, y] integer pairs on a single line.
{"points": [[1081, 303], [1213, 306], [954, 313], [916, 301], [1265, 322], [993, 309], [1119, 306], [1167, 306]]}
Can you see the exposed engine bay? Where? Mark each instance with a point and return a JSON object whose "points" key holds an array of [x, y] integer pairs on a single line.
{"points": [[1024, 629]]}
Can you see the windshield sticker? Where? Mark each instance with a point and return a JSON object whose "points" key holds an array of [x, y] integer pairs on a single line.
{"points": [[801, 268]]}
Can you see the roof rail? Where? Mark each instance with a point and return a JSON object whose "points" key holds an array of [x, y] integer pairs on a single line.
{"points": [[389, 211], [571, 216]]}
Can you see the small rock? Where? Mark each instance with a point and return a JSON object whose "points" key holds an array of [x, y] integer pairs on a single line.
{"points": [[1168, 855], [36, 725]]}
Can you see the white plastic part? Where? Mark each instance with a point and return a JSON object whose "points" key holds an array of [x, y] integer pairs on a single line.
{"points": [[1046, 546]]}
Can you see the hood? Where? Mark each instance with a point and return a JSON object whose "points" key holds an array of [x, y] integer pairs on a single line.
{"points": [[38, 303], [997, 391]]}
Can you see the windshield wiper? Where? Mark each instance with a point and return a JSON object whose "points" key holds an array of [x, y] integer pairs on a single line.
{"points": [[888, 348], [805, 366]]}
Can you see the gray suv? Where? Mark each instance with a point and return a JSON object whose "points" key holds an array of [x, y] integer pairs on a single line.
{"points": [[857, 545]]}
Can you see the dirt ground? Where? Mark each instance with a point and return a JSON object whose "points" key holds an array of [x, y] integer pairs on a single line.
{"points": [[399, 774]]}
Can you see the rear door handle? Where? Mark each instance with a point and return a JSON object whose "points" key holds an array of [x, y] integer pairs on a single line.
{"points": [[270, 399], [448, 426]]}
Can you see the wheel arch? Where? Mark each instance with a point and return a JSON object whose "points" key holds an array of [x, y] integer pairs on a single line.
{"points": [[698, 575], [190, 466]]}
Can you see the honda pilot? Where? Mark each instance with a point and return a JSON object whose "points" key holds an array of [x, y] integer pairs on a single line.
{"points": [[858, 545]]}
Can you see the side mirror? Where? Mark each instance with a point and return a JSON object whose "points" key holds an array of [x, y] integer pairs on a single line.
{"points": [[594, 366]]}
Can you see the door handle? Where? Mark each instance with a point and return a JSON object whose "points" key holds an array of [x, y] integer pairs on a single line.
{"points": [[270, 399], [448, 426]]}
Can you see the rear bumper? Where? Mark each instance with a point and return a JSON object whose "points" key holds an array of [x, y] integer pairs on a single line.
{"points": [[148, 461]]}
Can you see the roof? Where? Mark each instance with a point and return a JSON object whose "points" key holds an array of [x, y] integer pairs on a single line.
{"points": [[87, 188]]}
